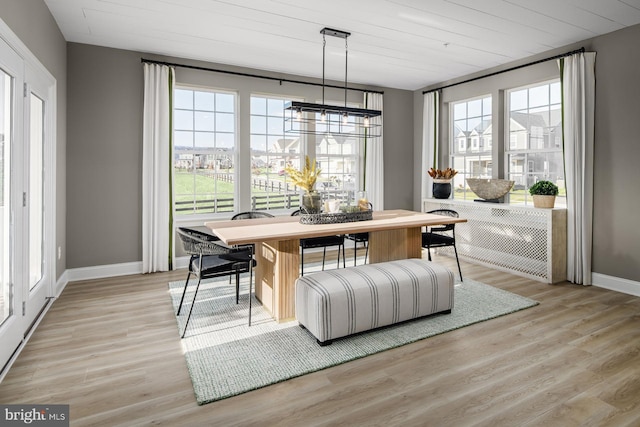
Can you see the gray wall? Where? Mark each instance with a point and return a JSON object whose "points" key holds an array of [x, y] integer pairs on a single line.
{"points": [[616, 234], [616, 251], [398, 169], [105, 144], [32, 22], [104, 156]]}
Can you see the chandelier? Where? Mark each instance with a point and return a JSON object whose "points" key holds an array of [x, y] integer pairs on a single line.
{"points": [[323, 119]]}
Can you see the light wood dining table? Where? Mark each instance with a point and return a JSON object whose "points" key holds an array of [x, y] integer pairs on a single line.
{"points": [[393, 234]]}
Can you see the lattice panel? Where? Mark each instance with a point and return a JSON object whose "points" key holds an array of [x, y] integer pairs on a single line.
{"points": [[508, 238]]}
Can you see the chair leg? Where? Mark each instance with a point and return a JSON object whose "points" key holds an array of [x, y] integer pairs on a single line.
{"points": [[366, 252], [344, 255], [183, 293], [324, 252], [250, 286], [458, 261], [195, 294], [355, 251], [429, 252], [237, 285], [302, 261]]}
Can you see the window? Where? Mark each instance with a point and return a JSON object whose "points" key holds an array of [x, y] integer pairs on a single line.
{"points": [[470, 143], [204, 142], [207, 166], [338, 156], [534, 151], [271, 151]]}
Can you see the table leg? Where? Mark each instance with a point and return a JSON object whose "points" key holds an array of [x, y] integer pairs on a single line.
{"points": [[389, 245], [278, 263]]}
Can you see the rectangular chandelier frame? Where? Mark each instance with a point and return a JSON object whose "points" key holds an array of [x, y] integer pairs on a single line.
{"points": [[320, 119], [306, 118]]}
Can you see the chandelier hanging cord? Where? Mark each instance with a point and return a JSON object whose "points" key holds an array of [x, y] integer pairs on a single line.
{"points": [[324, 48], [346, 61]]}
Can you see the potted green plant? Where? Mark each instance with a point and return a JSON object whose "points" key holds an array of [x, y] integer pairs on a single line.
{"points": [[544, 194]]}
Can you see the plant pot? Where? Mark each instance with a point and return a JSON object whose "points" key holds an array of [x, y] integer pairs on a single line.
{"points": [[311, 203], [441, 188], [540, 201]]}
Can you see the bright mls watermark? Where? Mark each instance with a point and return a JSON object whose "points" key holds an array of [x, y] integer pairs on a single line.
{"points": [[34, 415]]}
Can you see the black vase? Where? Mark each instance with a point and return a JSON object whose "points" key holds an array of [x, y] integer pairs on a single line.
{"points": [[441, 190]]}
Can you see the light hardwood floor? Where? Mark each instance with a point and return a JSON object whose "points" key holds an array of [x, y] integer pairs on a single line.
{"points": [[110, 348]]}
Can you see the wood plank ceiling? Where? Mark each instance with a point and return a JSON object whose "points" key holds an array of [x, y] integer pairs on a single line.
{"points": [[405, 44]]}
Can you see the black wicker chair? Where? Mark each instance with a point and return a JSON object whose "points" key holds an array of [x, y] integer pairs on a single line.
{"points": [[252, 215], [360, 238], [321, 242], [212, 258], [442, 235]]}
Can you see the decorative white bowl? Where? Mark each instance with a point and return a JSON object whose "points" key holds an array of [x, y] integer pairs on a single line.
{"points": [[489, 189]]}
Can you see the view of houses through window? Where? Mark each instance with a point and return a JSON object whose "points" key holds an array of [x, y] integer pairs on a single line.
{"points": [[471, 143], [338, 156], [271, 152], [205, 164], [204, 142], [534, 148], [533, 141]]}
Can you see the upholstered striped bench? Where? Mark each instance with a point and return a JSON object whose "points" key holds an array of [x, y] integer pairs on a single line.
{"points": [[336, 303]]}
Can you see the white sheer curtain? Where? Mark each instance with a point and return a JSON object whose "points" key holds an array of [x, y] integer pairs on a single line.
{"points": [[578, 92], [430, 114], [157, 205], [374, 181]]}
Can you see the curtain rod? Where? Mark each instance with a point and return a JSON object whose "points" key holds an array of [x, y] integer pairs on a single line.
{"points": [[257, 76], [581, 50]]}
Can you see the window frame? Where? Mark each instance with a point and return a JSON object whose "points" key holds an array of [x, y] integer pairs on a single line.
{"points": [[242, 156], [527, 171], [357, 159], [463, 147], [192, 217], [301, 136]]}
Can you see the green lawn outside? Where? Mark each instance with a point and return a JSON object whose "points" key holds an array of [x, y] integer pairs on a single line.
{"points": [[205, 187]]}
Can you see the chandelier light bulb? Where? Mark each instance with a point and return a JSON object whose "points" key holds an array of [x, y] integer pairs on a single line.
{"points": [[365, 122], [299, 114], [323, 116], [345, 118]]}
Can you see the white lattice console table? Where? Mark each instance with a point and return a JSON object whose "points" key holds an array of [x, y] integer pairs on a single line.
{"points": [[522, 240]]}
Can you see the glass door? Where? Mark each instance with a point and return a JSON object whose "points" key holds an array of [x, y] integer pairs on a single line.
{"points": [[27, 194], [38, 283], [11, 320]]}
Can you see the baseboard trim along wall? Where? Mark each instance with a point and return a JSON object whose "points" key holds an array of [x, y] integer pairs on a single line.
{"points": [[112, 270], [103, 271], [616, 284]]}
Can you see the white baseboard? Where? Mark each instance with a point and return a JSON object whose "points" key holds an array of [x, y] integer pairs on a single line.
{"points": [[111, 270], [102, 271], [61, 283], [616, 284], [181, 262]]}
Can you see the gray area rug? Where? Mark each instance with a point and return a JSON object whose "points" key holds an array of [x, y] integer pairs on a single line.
{"points": [[225, 357]]}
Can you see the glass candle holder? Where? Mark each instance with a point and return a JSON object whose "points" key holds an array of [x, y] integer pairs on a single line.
{"points": [[363, 201]]}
